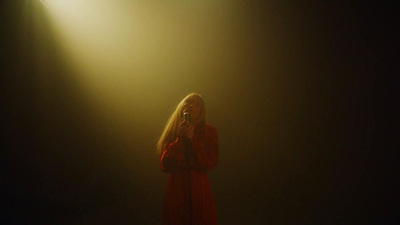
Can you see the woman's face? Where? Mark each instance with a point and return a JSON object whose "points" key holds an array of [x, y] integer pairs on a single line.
{"points": [[193, 106]]}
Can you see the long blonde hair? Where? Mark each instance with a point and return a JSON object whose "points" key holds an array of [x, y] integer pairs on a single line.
{"points": [[170, 132]]}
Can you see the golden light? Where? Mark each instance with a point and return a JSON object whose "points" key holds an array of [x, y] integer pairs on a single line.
{"points": [[131, 55]]}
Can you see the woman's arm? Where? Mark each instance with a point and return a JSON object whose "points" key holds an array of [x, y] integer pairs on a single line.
{"points": [[173, 157], [205, 155]]}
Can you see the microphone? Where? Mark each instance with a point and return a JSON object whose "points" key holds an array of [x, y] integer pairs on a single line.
{"points": [[187, 117], [186, 141]]}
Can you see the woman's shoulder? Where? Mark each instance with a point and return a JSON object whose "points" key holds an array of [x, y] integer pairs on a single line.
{"points": [[210, 127]]}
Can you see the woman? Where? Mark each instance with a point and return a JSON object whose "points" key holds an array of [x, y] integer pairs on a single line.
{"points": [[188, 151]]}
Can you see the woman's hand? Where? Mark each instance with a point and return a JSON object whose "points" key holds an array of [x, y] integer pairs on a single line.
{"points": [[189, 131], [185, 130]]}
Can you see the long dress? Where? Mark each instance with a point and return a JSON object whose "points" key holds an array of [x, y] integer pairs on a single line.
{"points": [[203, 156]]}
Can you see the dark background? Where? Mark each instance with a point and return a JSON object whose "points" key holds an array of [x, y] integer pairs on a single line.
{"points": [[306, 124]]}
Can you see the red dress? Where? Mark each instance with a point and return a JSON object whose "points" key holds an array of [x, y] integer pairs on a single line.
{"points": [[203, 156]]}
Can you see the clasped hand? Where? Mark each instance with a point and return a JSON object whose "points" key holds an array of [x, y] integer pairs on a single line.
{"points": [[186, 130]]}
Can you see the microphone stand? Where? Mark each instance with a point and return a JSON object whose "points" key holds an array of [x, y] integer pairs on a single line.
{"points": [[187, 148]]}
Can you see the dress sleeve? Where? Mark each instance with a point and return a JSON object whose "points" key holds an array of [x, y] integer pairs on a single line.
{"points": [[173, 157], [205, 154]]}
